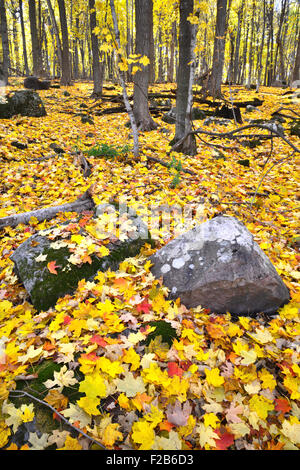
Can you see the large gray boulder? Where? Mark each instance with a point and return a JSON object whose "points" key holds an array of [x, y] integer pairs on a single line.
{"points": [[219, 266], [76, 249]]}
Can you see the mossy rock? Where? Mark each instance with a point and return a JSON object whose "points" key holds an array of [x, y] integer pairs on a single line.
{"points": [[23, 102], [44, 287], [295, 128]]}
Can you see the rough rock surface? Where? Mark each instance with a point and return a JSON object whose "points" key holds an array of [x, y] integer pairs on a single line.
{"points": [[219, 266], [23, 102], [44, 287]]}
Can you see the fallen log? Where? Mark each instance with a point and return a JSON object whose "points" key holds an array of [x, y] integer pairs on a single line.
{"points": [[83, 203]]}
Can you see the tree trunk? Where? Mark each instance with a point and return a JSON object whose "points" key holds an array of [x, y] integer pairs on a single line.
{"points": [[238, 43], [259, 66], [215, 80], [5, 45], [35, 42], [122, 79], [143, 13], [97, 67], [296, 71], [23, 37], [66, 66], [56, 33], [185, 79]]}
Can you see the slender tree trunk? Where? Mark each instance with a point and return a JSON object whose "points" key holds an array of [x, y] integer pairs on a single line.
{"points": [[56, 33], [35, 43], [259, 66], [185, 77], [23, 37], [143, 13], [296, 70], [152, 51], [134, 128], [238, 42], [172, 53], [66, 66], [251, 46], [5, 45], [215, 79], [97, 67]]}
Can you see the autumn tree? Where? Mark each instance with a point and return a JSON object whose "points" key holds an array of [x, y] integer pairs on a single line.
{"points": [[97, 67], [184, 79], [143, 22], [5, 44], [35, 40], [215, 79], [66, 66], [25, 56]]}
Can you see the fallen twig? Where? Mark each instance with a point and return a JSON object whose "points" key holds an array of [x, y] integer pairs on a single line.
{"points": [[231, 134], [20, 393]]}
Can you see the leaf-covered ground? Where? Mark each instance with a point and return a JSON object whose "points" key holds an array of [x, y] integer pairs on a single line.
{"points": [[195, 381]]}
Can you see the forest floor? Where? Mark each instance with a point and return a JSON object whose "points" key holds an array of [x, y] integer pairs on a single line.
{"points": [[225, 383]]}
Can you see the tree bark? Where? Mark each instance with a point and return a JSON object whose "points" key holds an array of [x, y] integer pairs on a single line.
{"points": [[122, 79], [215, 79], [56, 33], [143, 13], [35, 42], [185, 78], [23, 37], [5, 45], [296, 71], [66, 66], [97, 67]]}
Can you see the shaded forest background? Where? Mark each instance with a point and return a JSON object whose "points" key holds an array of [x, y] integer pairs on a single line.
{"points": [[43, 37]]}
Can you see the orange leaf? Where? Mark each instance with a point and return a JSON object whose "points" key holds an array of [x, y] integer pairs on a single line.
{"points": [[282, 405], [52, 267], [166, 426]]}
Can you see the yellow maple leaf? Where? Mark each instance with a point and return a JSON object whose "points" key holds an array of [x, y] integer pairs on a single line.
{"points": [[144, 60], [142, 433], [93, 386], [249, 357], [210, 419], [267, 379], [213, 377], [27, 413], [131, 357], [291, 430], [111, 434], [261, 405], [111, 368], [207, 436], [71, 444], [90, 405]]}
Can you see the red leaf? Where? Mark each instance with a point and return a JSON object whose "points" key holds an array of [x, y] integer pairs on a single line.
{"points": [[282, 405], [67, 319], [144, 307], [225, 440], [98, 340], [174, 369]]}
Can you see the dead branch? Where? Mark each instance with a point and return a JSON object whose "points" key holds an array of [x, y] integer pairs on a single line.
{"points": [[83, 203], [232, 134], [21, 393]]}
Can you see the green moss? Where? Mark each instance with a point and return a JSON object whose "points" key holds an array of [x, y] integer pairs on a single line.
{"points": [[163, 329]]}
